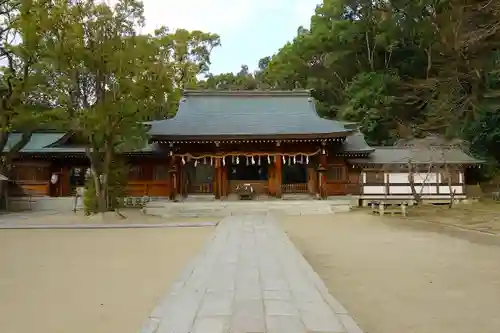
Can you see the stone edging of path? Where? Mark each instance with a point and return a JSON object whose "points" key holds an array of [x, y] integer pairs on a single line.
{"points": [[108, 226], [249, 277]]}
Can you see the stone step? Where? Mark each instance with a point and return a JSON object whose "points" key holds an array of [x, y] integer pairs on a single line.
{"points": [[227, 208]]}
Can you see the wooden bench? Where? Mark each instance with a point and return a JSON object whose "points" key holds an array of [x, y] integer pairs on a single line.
{"points": [[389, 207]]}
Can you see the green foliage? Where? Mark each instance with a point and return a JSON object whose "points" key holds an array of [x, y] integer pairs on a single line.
{"points": [[118, 177], [118, 174], [370, 103], [400, 68], [90, 205], [23, 103]]}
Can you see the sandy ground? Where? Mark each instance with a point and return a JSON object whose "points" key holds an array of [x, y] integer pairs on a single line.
{"points": [[396, 276], [89, 281], [133, 216], [482, 216]]}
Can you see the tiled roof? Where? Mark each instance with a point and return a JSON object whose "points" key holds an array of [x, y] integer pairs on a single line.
{"points": [[237, 114], [356, 143], [47, 143], [402, 155], [37, 142]]}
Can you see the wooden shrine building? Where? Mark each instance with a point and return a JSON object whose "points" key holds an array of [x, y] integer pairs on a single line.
{"points": [[221, 140]]}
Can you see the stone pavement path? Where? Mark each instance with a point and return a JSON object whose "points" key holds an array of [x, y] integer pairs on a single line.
{"points": [[249, 278]]}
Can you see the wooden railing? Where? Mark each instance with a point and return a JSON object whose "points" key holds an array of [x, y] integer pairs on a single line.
{"points": [[205, 188], [294, 188], [28, 187], [153, 188]]}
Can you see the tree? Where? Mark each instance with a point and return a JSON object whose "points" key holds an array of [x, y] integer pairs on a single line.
{"points": [[107, 79], [24, 106], [185, 55]]}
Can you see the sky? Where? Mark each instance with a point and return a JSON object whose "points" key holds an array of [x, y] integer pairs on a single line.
{"points": [[249, 29]]}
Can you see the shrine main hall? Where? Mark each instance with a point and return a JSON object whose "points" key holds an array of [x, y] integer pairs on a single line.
{"points": [[220, 142]]}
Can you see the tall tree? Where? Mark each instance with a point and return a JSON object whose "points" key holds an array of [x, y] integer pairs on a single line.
{"points": [[107, 79], [23, 104], [186, 54]]}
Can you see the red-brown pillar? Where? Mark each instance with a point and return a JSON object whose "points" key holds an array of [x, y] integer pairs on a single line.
{"points": [[173, 179], [270, 180], [322, 178], [278, 175], [218, 179]]}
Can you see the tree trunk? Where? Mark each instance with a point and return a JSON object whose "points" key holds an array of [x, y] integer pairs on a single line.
{"points": [[411, 179], [450, 187]]}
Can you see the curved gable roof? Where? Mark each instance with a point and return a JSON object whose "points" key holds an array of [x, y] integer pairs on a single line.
{"points": [[238, 114]]}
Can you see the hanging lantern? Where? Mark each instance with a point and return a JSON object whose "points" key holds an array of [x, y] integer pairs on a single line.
{"points": [[232, 159], [237, 160], [258, 161], [211, 161], [268, 159], [204, 160], [307, 159], [294, 159], [224, 161], [183, 160], [248, 160], [253, 160], [195, 163], [284, 159], [170, 153], [289, 160]]}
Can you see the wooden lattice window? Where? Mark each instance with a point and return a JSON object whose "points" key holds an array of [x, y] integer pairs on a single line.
{"points": [[335, 173], [31, 172], [374, 177]]}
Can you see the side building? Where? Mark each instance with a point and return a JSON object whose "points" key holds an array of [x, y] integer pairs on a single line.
{"points": [[221, 140]]}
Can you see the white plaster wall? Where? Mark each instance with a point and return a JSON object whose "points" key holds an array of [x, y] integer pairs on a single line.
{"points": [[399, 177], [446, 189], [402, 177], [399, 190], [374, 189]]}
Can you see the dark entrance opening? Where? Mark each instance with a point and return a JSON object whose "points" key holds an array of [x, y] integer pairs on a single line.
{"points": [[295, 174], [295, 178], [198, 177], [246, 170]]}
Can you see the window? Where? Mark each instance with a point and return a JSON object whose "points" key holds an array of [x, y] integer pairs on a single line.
{"points": [[77, 176], [454, 174], [374, 177], [335, 173], [30, 173]]}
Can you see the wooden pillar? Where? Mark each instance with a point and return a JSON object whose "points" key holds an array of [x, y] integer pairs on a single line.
{"points": [[173, 179], [278, 173], [218, 179], [322, 177], [224, 181], [270, 179], [64, 182]]}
